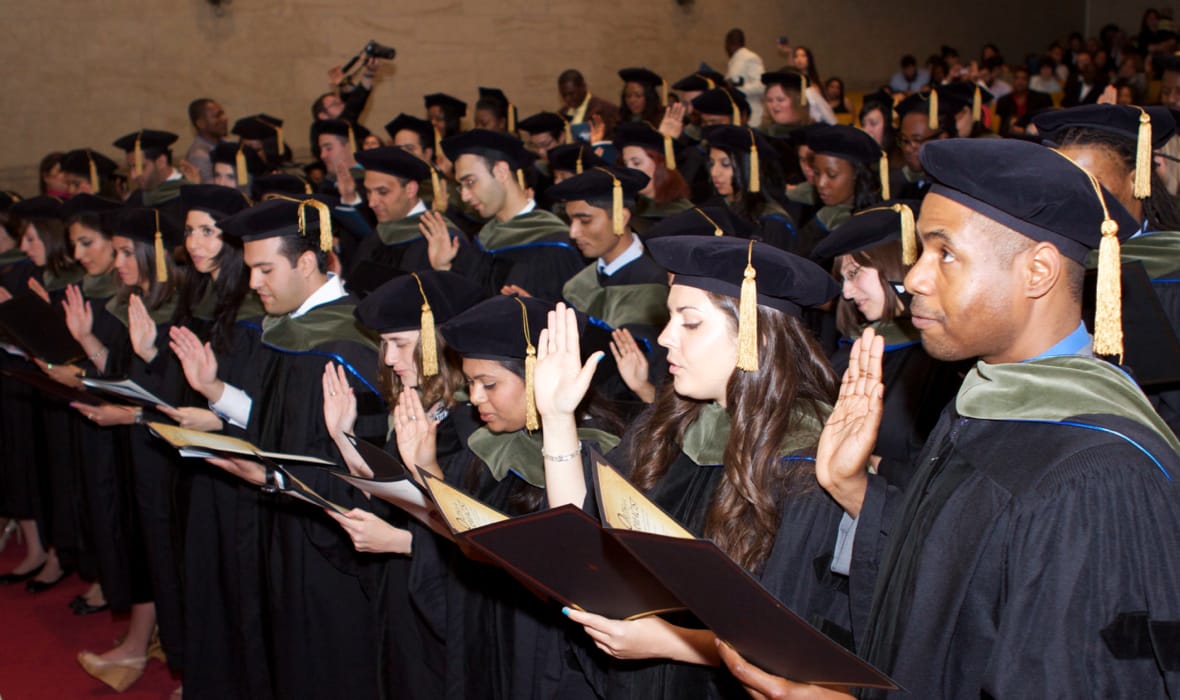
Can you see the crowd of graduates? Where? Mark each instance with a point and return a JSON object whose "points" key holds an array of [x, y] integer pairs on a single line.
{"points": [[909, 358]]}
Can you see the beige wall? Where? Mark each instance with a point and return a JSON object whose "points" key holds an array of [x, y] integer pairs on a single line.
{"points": [[82, 73]]}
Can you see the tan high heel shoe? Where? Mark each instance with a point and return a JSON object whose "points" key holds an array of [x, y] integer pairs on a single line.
{"points": [[119, 675]]}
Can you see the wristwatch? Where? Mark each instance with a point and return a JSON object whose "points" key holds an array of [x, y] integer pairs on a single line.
{"points": [[139, 415], [272, 482]]}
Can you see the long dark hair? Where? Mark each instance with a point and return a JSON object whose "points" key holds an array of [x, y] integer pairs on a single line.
{"points": [[752, 205], [54, 236], [1160, 210], [764, 406], [867, 192], [230, 289], [653, 113], [440, 388], [886, 111], [157, 293], [886, 260]]}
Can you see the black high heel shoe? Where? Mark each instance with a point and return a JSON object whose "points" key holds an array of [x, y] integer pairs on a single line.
{"points": [[17, 578], [42, 586]]}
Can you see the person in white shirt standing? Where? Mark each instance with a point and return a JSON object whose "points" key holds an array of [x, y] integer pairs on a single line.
{"points": [[745, 72]]}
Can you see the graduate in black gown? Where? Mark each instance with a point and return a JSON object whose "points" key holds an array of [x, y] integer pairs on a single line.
{"points": [[623, 288], [725, 450], [522, 247], [1104, 139], [409, 236], [848, 166], [501, 640], [643, 148], [1033, 554], [867, 254], [420, 380], [748, 177], [316, 590]]}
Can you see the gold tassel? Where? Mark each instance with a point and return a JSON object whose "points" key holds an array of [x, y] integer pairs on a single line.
{"points": [[716, 229], [737, 113], [1108, 316], [883, 173], [569, 137], [279, 140], [755, 166], [976, 106], [1142, 186], [577, 165], [909, 234], [932, 115], [161, 263], [240, 167], [138, 154], [325, 221], [669, 153], [511, 119], [802, 90], [93, 171], [437, 144], [436, 187], [748, 317], [520, 177], [426, 337], [708, 81], [531, 421], [616, 211], [351, 140], [663, 93]]}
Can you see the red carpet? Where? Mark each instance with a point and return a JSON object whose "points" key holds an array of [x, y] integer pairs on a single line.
{"points": [[40, 638]]}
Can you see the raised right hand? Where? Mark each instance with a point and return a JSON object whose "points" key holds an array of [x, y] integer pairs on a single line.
{"points": [[561, 380], [79, 317], [198, 361]]}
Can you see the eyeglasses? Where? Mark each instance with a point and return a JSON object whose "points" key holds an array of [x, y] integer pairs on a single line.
{"points": [[907, 142]]}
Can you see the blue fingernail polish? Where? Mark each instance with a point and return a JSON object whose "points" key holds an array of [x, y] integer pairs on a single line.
{"points": [[565, 611]]}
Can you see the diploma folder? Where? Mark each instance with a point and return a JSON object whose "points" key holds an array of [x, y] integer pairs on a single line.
{"points": [[723, 595], [390, 482], [561, 552], [39, 328], [126, 389]]}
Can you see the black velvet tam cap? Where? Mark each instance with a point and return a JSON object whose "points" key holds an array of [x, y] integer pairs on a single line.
{"points": [[141, 224], [739, 139], [227, 152], [1031, 189], [7, 199], [88, 204], [574, 157], [219, 202], [446, 102], [920, 102], [786, 282], [542, 122], [354, 133], [702, 221], [280, 183], [846, 142], [790, 80], [638, 134], [503, 327], [492, 94], [149, 141], [79, 162], [598, 183], [1120, 120], [699, 82], [494, 145], [868, 228], [307, 217], [257, 127], [397, 304], [406, 122], [642, 76], [394, 161], [721, 102], [40, 207]]}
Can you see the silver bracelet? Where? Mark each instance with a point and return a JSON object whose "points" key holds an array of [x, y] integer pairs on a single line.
{"points": [[97, 354], [563, 458]]}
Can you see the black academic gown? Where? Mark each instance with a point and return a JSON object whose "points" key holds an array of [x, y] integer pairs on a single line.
{"points": [[225, 608], [319, 590], [917, 388], [501, 640], [1029, 558], [531, 251], [796, 571], [22, 486]]}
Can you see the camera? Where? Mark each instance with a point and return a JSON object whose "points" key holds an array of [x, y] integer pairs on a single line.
{"points": [[376, 50]]}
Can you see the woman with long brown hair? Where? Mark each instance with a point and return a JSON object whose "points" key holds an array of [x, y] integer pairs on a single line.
{"points": [[725, 449], [643, 148]]}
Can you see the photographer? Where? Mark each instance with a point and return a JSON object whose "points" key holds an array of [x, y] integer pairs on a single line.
{"points": [[347, 99]]}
